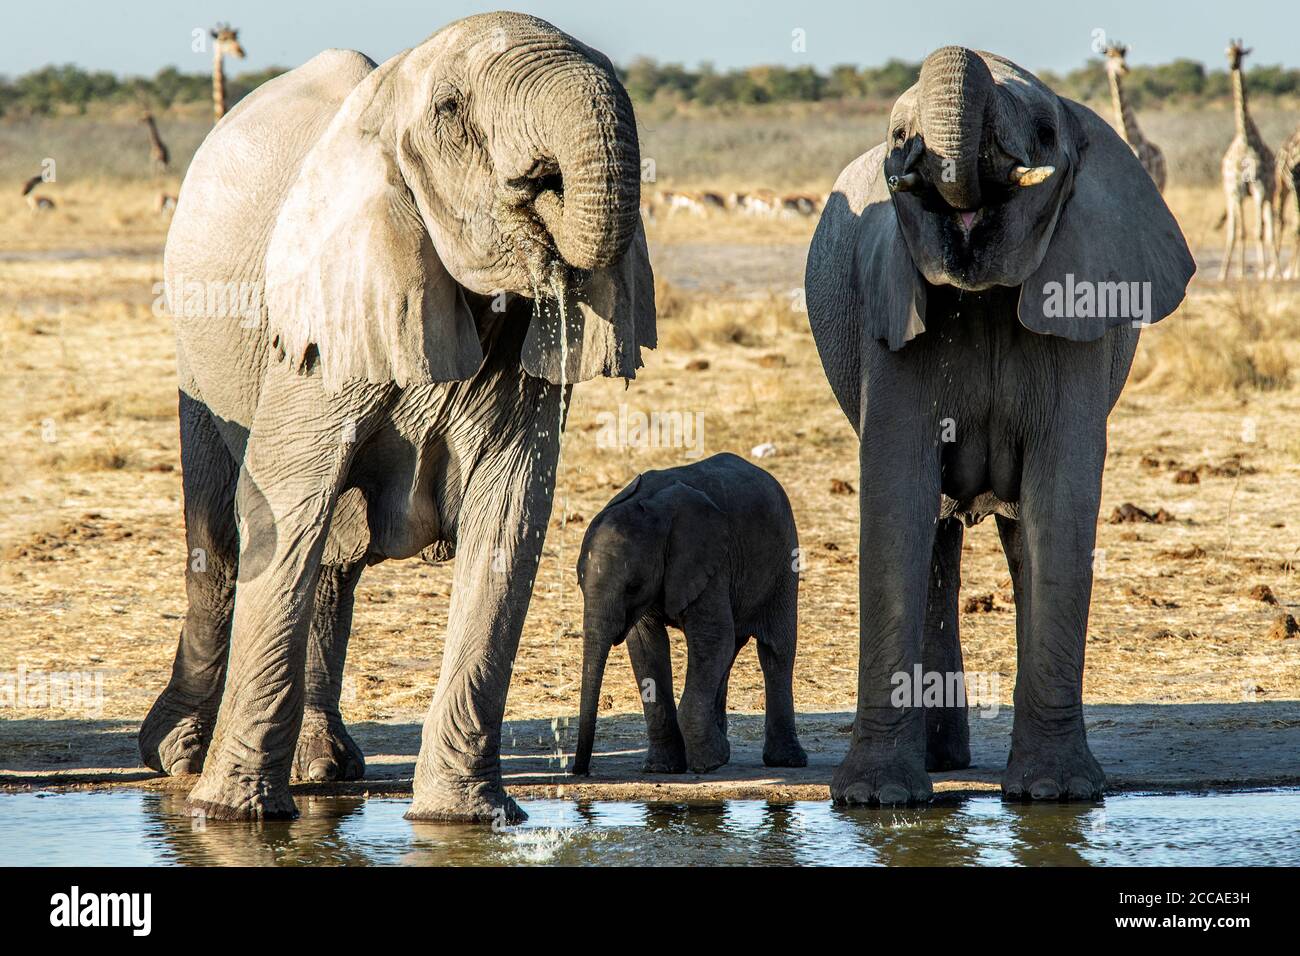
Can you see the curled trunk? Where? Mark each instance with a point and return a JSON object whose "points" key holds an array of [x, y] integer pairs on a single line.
{"points": [[585, 124], [956, 98]]}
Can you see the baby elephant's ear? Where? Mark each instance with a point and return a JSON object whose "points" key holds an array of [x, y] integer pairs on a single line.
{"points": [[697, 544], [625, 494], [610, 317], [353, 284], [1117, 256]]}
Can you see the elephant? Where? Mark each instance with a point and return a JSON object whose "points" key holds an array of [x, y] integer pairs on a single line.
{"points": [[438, 248], [709, 548], [976, 287]]}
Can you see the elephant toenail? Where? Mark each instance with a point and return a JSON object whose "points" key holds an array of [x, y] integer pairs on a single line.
{"points": [[322, 769], [182, 767], [1081, 788], [859, 793], [1045, 789], [891, 794]]}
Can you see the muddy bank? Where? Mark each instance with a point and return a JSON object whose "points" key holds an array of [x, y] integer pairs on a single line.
{"points": [[1192, 747]]}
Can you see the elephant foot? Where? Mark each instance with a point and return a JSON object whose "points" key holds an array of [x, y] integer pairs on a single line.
{"points": [[664, 757], [175, 735], [868, 777], [709, 754], [241, 796], [784, 753], [482, 803], [326, 751], [1047, 772]]}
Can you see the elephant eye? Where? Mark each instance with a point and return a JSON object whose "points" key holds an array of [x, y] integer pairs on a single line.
{"points": [[1046, 135], [446, 106], [899, 136]]}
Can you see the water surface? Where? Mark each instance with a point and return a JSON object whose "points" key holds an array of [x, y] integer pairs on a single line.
{"points": [[129, 827]]}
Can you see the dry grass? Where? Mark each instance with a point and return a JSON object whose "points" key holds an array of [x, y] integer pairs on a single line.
{"points": [[689, 321], [93, 544], [1232, 339], [89, 215]]}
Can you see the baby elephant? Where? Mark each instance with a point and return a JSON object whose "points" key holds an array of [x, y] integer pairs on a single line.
{"points": [[709, 548]]}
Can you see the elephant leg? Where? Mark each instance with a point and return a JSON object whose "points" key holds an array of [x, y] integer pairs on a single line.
{"points": [[886, 760], [288, 486], [777, 642], [325, 750], [647, 645], [1050, 552], [947, 727], [720, 703], [175, 735], [711, 648], [501, 527]]}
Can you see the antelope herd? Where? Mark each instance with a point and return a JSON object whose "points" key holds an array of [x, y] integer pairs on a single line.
{"points": [[759, 202]]}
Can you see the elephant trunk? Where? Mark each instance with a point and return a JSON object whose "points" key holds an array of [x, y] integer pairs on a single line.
{"points": [[957, 97], [595, 654], [584, 123]]}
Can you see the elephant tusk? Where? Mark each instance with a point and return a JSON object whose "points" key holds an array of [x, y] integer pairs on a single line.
{"points": [[1030, 175], [904, 183]]}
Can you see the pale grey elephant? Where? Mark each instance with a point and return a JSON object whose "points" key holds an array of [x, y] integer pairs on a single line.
{"points": [[396, 390], [976, 287], [710, 548]]}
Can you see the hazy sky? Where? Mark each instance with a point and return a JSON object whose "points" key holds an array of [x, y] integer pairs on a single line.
{"points": [[141, 36]]}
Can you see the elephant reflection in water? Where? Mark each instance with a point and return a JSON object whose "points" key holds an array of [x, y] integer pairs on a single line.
{"points": [[314, 839], [963, 834]]}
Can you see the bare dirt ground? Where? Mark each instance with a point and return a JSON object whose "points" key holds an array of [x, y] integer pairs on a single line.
{"points": [[1192, 668]]}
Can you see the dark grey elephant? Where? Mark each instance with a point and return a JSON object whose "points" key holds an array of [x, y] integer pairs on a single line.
{"points": [[399, 388], [976, 287], [709, 548]]}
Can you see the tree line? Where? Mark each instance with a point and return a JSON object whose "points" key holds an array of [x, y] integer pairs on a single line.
{"points": [[68, 88], [55, 89]]}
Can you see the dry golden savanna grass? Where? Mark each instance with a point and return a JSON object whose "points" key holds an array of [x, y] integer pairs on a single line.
{"points": [[93, 546], [91, 540]]}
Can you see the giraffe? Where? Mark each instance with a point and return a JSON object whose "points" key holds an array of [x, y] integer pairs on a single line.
{"points": [[1247, 169], [37, 204], [1147, 152], [158, 155], [225, 41], [1288, 190]]}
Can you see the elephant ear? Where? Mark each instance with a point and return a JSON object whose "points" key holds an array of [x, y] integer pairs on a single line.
{"points": [[610, 317], [354, 286], [625, 494], [697, 544], [1117, 256], [860, 281]]}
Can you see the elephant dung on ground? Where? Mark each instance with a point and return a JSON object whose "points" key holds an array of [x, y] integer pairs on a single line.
{"points": [[399, 387], [976, 287]]}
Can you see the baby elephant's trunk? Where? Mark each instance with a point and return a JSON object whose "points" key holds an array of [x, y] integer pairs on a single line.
{"points": [[595, 654]]}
